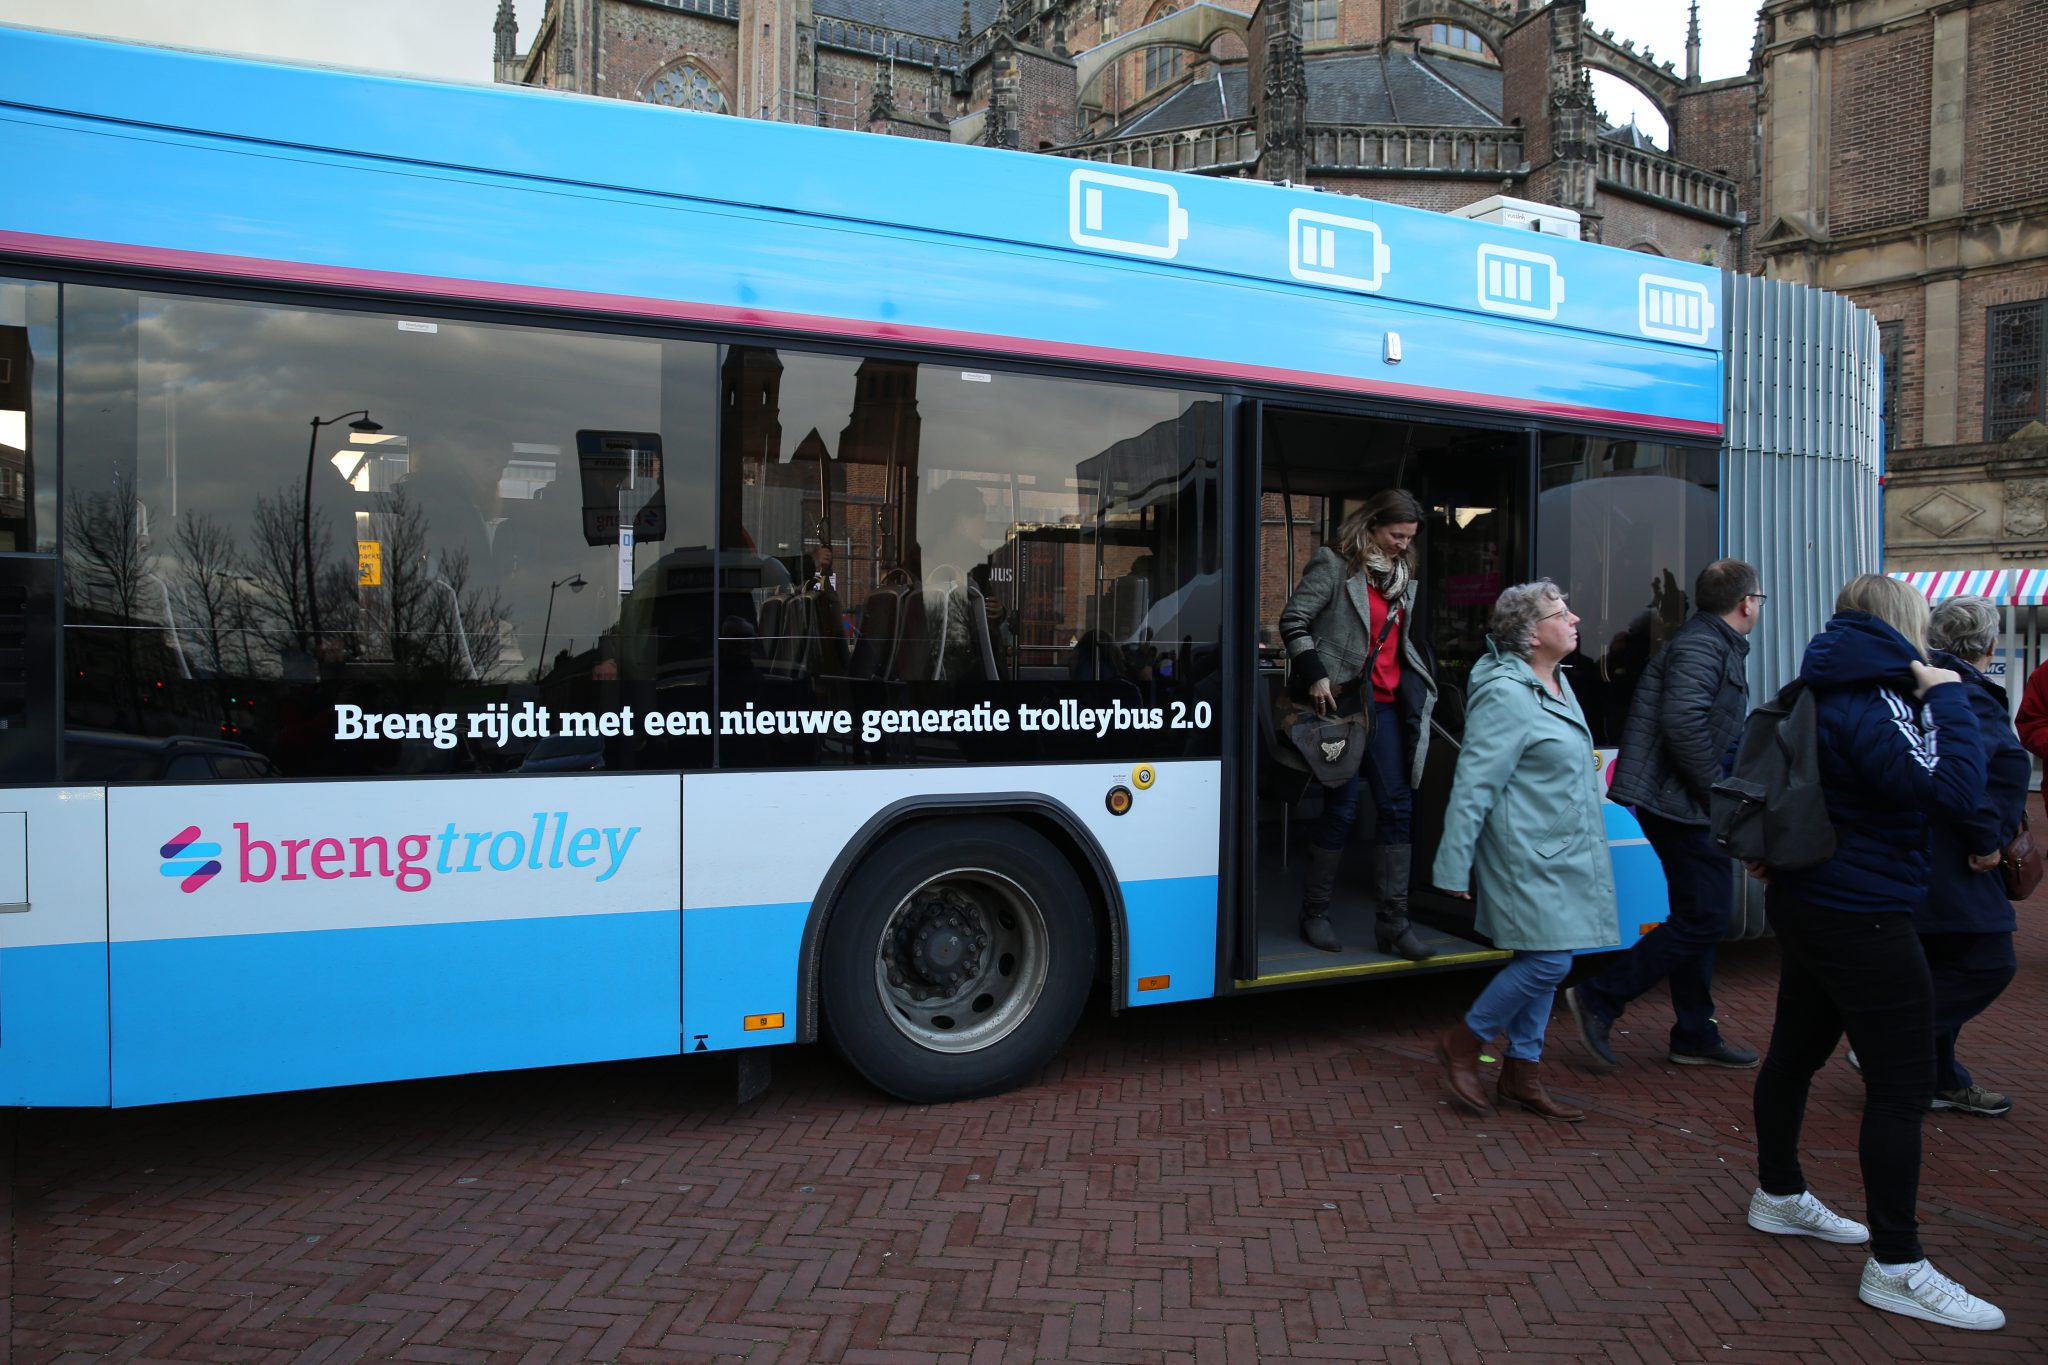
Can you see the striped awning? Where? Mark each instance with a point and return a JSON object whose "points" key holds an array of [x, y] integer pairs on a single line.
{"points": [[2029, 587], [2006, 587], [1942, 584]]}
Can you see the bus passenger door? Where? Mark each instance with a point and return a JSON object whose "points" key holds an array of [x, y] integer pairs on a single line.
{"points": [[1316, 468]]}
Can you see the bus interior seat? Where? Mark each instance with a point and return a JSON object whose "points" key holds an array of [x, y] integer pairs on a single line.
{"points": [[875, 640]]}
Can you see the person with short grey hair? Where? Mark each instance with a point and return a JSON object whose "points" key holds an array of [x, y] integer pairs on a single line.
{"points": [[1516, 612], [1523, 834], [1966, 627], [1966, 924]]}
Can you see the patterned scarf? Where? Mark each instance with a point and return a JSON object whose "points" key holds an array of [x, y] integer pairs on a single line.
{"points": [[1388, 574]]}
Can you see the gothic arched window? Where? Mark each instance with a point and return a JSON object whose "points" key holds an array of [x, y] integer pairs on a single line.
{"points": [[683, 86], [1162, 64]]}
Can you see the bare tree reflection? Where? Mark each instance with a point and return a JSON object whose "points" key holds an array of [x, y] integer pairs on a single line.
{"points": [[210, 590]]}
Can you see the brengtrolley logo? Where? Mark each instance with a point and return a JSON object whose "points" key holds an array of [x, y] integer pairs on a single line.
{"points": [[185, 856], [409, 861]]}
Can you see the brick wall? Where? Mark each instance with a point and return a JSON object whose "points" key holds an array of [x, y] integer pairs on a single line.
{"points": [[1046, 89], [1638, 226], [639, 42], [1525, 86], [1358, 21], [1440, 196], [1714, 127], [1879, 129], [1980, 294], [2006, 146]]}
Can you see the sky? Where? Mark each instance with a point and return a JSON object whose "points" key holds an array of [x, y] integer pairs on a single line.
{"points": [[451, 39]]}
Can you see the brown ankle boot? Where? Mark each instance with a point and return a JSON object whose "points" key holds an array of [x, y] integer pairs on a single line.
{"points": [[1522, 1083], [1457, 1051]]}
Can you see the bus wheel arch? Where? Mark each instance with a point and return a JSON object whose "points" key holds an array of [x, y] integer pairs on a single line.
{"points": [[954, 949]]}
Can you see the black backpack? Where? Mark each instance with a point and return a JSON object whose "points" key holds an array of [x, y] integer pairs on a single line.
{"points": [[1769, 809]]}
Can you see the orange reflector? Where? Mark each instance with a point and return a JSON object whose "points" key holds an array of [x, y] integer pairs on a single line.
{"points": [[756, 1022], [1154, 983], [1118, 800], [1642, 929]]}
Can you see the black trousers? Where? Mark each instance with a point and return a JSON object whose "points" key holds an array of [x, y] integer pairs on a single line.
{"points": [[1970, 970], [1701, 879], [1863, 973]]}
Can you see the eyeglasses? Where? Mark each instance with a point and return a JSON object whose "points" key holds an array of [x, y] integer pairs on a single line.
{"points": [[1758, 597], [1552, 616]]}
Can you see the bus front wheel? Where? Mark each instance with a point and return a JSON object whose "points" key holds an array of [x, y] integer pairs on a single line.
{"points": [[957, 960]]}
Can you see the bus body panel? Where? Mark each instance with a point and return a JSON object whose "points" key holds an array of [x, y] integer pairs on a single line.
{"points": [[1642, 898], [371, 932], [53, 954], [739, 906], [228, 209], [1198, 223]]}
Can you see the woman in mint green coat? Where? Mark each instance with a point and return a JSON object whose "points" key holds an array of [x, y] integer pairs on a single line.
{"points": [[1524, 822]]}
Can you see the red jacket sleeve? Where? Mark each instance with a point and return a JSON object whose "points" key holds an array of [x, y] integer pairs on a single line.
{"points": [[2032, 721]]}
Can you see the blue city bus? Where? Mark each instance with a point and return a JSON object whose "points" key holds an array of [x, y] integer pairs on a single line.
{"points": [[497, 579]]}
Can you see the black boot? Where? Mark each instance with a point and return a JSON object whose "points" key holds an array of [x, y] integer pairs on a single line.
{"points": [[1316, 929], [1390, 884]]}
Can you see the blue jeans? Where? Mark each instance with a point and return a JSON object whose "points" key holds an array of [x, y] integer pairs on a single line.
{"points": [[1384, 773], [1969, 971], [1517, 1003], [1702, 883]]}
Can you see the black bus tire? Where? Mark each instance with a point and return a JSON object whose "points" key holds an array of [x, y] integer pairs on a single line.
{"points": [[957, 960]]}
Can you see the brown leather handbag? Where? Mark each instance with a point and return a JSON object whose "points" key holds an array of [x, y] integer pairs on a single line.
{"points": [[2020, 865]]}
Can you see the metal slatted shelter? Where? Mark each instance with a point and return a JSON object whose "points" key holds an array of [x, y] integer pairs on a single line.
{"points": [[1801, 462], [1800, 457]]}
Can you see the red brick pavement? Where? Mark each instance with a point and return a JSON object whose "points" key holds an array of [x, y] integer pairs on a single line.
{"points": [[1267, 1179]]}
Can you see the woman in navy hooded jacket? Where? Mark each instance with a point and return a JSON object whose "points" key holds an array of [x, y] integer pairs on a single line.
{"points": [[1898, 746], [1966, 923]]}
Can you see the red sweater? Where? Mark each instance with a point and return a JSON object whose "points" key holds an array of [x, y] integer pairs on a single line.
{"points": [[2032, 721], [1386, 665]]}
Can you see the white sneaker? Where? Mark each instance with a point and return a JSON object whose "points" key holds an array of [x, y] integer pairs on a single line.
{"points": [[1925, 1293], [1801, 1215]]}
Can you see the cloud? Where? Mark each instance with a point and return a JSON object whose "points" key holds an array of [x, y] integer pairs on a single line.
{"points": [[439, 39]]}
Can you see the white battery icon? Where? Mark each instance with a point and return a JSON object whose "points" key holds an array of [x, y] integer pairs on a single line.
{"points": [[1325, 248], [1124, 213], [1677, 310], [1525, 284]]}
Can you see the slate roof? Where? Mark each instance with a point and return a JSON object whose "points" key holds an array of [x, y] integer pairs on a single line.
{"points": [[926, 18], [1346, 87], [1628, 135]]}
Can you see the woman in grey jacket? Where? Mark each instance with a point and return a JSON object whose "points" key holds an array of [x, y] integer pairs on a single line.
{"points": [[1524, 822], [1350, 646]]}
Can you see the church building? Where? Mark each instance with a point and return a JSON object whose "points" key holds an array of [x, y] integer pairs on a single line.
{"points": [[1433, 103]]}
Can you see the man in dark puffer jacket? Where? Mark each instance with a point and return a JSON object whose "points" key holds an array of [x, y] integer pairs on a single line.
{"points": [[1687, 712]]}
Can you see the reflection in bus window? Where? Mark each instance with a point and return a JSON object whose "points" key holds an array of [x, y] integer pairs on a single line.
{"points": [[949, 537], [1623, 526], [211, 592]]}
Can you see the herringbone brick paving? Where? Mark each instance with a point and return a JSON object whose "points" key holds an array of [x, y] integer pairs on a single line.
{"points": [[1254, 1180]]}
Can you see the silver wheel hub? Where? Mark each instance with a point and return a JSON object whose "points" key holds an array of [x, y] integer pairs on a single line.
{"points": [[962, 960]]}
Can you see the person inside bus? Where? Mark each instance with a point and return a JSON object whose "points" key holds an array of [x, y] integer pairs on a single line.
{"points": [[1897, 745], [1686, 715], [1524, 837], [1351, 649], [1966, 924], [952, 520]]}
